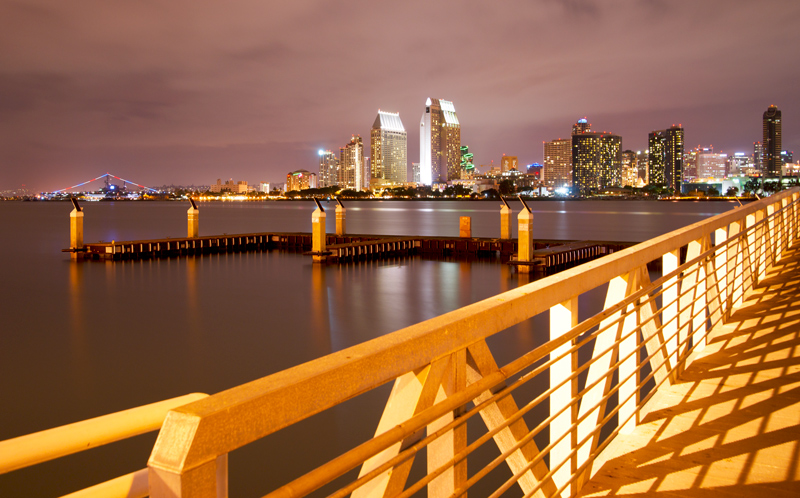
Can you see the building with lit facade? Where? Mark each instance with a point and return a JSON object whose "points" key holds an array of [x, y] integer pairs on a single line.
{"points": [[711, 164], [439, 143], [328, 169], [758, 157], [772, 141], [665, 161], [231, 186], [630, 171], [643, 166], [352, 172], [300, 180], [558, 163], [507, 163], [581, 126], [389, 150], [596, 162], [739, 164], [467, 164]]}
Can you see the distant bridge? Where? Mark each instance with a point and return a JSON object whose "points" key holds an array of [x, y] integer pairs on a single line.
{"points": [[107, 176]]}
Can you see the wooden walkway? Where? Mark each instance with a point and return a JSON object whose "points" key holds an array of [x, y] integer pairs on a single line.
{"points": [[731, 425]]}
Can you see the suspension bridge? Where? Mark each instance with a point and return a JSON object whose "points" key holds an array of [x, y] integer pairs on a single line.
{"points": [[108, 185]]}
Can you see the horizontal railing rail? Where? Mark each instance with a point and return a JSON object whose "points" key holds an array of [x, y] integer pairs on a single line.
{"points": [[444, 373], [31, 449]]}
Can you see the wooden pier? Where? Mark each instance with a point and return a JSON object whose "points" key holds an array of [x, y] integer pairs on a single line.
{"points": [[548, 254]]}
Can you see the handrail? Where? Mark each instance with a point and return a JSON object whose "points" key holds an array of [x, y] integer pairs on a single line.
{"points": [[31, 449], [197, 435]]}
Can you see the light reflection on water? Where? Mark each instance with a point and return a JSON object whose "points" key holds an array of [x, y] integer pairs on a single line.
{"points": [[80, 340]]}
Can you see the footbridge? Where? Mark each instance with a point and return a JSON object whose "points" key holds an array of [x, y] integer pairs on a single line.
{"points": [[685, 383]]}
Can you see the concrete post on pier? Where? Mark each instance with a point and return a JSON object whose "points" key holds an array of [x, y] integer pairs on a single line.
{"points": [[318, 233], [75, 229], [194, 221], [465, 227], [340, 215], [505, 221], [525, 238]]}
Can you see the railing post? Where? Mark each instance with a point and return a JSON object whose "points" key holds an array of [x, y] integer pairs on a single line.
{"points": [[563, 317], [75, 228], [453, 442], [693, 300], [719, 290], [318, 234], [669, 314], [525, 238], [207, 480], [749, 253], [505, 221], [193, 215], [771, 237], [735, 268], [340, 218], [760, 249]]}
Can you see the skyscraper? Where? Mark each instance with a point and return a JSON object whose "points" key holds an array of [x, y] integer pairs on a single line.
{"points": [[328, 169], [351, 164], [772, 141], [630, 172], [758, 157], [507, 163], [439, 143], [666, 157], [558, 163], [596, 161], [389, 147]]}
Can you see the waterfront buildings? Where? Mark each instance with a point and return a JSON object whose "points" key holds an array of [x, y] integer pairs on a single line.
{"points": [[415, 172], [758, 157], [596, 160], [665, 159], [239, 187], [558, 163], [772, 141], [630, 171], [328, 169], [389, 150], [643, 165], [467, 165], [352, 171], [711, 164], [439, 143], [739, 164], [508, 163], [300, 180]]}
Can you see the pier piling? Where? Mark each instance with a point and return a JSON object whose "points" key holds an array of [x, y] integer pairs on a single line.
{"points": [[340, 218], [465, 227], [505, 221], [75, 229], [525, 238], [194, 221], [318, 233]]}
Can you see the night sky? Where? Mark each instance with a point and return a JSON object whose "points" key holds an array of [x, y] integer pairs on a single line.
{"points": [[178, 91]]}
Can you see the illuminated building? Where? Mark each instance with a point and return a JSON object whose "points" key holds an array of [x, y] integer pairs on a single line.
{"points": [[239, 187], [328, 169], [508, 163], [439, 143], [300, 180], [666, 157], [739, 164], [643, 166], [630, 172], [596, 162], [758, 157], [582, 126], [352, 174], [389, 145], [558, 163], [786, 160], [467, 166], [711, 164], [772, 141], [415, 172]]}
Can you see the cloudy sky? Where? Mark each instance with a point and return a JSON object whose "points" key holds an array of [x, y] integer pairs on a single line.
{"points": [[188, 91]]}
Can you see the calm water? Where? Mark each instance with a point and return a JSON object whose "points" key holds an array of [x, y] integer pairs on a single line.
{"points": [[81, 340]]}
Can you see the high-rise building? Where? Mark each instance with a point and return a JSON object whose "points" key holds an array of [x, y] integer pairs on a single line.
{"points": [[596, 162], [666, 157], [772, 141], [758, 157], [352, 173], [415, 172], [328, 169], [439, 143], [711, 164], [630, 171], [508, 163], [643, 165], [300, 180], [558, 163], [739, 164], [467, 165], [389, 147], [582, 126]]}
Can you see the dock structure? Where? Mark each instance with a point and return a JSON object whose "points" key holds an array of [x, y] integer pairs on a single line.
{"points": [[686, 385]]}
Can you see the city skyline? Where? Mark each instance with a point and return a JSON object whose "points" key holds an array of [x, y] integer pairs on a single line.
{"points": [[190, 92]]}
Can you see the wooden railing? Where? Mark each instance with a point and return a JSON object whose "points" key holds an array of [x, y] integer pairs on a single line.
{"points": [[58, 442], [444, 373]]}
